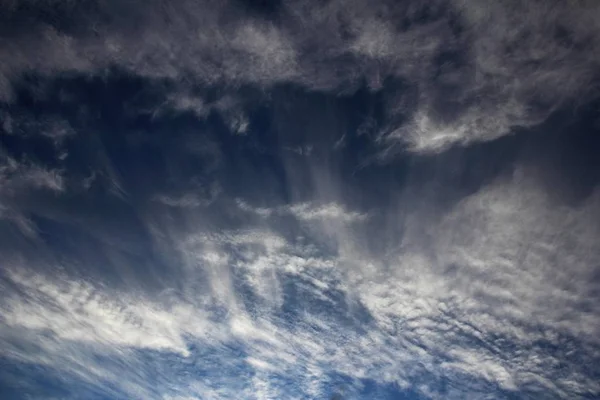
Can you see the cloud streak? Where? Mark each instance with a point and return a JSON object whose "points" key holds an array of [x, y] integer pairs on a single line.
{"points": [[307, 212]]}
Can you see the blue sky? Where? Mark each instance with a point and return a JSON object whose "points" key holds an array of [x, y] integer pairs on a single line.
{"points": [[299, 200]]}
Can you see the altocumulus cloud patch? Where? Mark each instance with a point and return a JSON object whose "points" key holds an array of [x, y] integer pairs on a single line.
{"points": [[299, 200]]}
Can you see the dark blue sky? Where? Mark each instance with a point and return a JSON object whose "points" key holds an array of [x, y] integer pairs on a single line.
{"points": [[299, 200]]}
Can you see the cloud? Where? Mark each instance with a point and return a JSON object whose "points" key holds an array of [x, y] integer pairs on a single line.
{"points": [[330, 211], [484, 300], [21, 176], [18, 181], [308, 212], [493, 275], [472, 73], [76, 311], [445, 291], [190, 199]]}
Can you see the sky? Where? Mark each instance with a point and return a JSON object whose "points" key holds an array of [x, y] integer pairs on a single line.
{"points": [[339, 199]]}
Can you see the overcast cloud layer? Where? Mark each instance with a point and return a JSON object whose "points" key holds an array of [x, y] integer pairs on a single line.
{"points": [[299, 200]]}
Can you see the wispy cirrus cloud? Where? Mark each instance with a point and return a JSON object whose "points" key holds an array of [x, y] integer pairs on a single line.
{"points": [[308, 212], [153, 274], [473, 73], [469, 304]]}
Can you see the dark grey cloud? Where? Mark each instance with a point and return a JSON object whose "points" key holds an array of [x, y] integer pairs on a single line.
{"points": [[472, 72]]}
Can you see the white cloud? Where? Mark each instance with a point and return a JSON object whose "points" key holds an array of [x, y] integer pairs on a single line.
{"points": [[187, 200], [333, 211], [19, 179], [17, 176], [308, 212], [80, 312], [476, 303], [477, 295]]}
